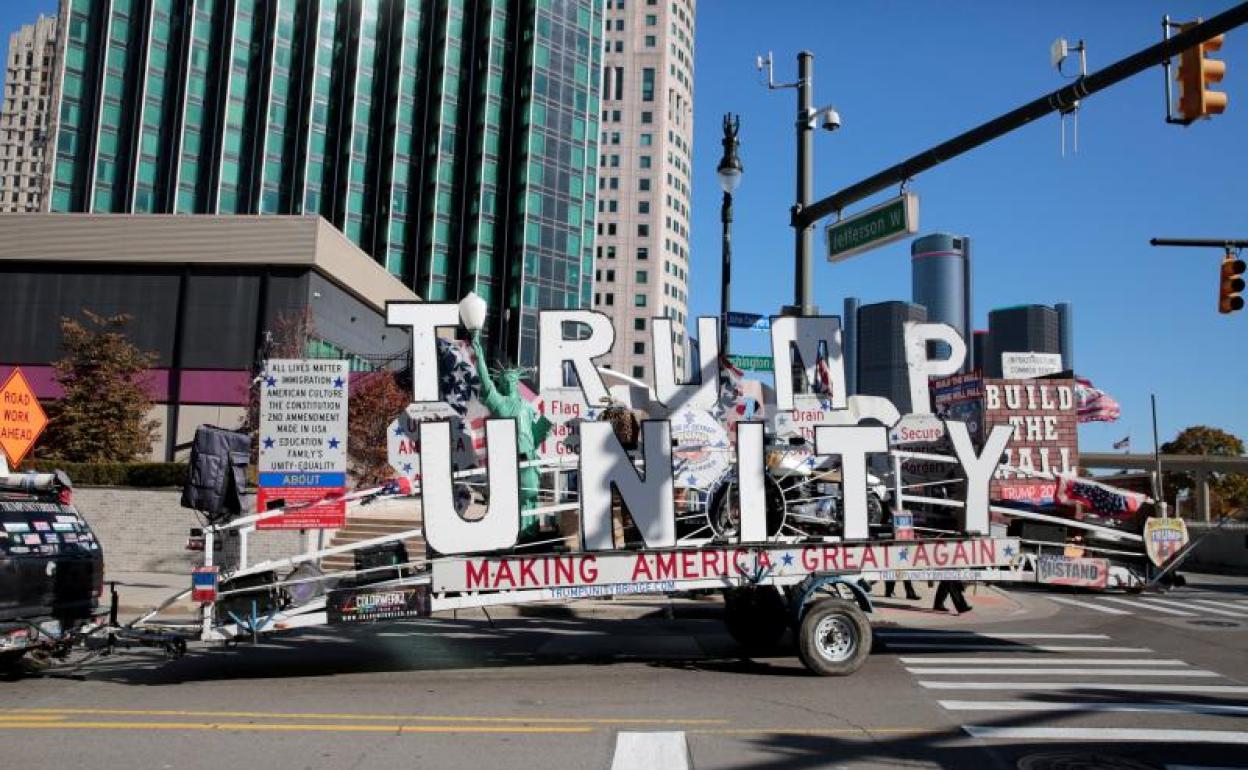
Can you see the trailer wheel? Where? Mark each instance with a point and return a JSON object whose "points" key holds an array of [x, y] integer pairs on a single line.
{"points": [[756, 617], [834, 638]]}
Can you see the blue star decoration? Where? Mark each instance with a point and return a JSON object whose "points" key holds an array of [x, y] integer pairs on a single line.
{"points": [[338, 382], [407, 467], [268, 443], [398, 430], [1009, 551], [903, 554], [333, 443], [270, 381], [787, 559]]}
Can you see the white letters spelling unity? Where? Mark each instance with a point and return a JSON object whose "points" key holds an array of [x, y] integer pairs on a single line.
{"points": [[605, 465]]}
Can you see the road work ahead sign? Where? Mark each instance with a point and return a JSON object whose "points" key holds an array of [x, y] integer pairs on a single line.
{"points": [[21, 417]]}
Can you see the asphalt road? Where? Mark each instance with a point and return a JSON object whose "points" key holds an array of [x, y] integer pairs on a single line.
{"points": [[1155, 682]]}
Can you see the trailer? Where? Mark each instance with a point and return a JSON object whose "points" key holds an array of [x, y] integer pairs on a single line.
{"points": [[811, 584]]}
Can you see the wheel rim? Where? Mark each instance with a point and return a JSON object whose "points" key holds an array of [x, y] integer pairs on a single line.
{"points": [[836, 639]]}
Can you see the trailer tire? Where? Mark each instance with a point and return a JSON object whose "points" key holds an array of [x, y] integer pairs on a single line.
{"points": [[834, 638], [756, 617]]}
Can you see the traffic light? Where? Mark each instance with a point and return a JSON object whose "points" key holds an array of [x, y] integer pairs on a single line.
{"points": [[1231, 284], [1196, 73]]}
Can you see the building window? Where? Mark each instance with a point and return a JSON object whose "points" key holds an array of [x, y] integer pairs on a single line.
{"points": [[647, 140], [610, 299], [610, 276], [644, 160], [643, 231], [647, 117], [639, 348], [643, 207], [642, 276], [647, 84], [639, 372], [639, 300], [643, 252], [639, 324], [643, 184], [651, 20], [650, 41], [610, 252]]}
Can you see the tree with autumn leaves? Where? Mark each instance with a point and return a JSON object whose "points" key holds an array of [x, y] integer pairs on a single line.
{"points": [[1230, 490], [104, 415]]}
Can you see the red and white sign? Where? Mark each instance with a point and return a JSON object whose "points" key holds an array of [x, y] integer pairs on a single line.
{"points": [[728, 564], [1065, 571], [303, 442]]}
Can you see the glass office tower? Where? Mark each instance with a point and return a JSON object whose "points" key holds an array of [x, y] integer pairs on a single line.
{"points": [[455, 141]]}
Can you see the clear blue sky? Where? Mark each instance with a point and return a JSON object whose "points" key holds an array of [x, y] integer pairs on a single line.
{"points": [[906, 75]]}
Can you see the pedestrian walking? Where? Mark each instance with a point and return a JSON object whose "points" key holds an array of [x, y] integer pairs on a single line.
{"points": [[889, 585], [951, 589]]}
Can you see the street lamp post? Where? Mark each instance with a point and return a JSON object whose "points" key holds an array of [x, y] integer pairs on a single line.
{"points": [[729, 171]]}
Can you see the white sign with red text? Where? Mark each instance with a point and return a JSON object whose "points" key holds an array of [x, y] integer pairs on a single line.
{"points": [[550, 571]]}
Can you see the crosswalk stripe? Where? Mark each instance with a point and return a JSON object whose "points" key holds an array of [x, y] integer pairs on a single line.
{"points": [[982, 671], [640, 751], [1029, 661], [1187, 606], [888, 632], [1135, 603], [1161, 708], [1088, 605], [1058, 686], [1030, 648], [1106, 734], [1218, 608]]}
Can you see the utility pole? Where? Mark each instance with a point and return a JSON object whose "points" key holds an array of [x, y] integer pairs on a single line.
{"points": [[803, 232]]}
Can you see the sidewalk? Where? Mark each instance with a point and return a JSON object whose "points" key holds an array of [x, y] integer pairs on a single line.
{"points": [[140, 592]]}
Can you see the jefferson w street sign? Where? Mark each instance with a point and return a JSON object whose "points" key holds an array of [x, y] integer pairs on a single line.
{"points": [[874, 227]]}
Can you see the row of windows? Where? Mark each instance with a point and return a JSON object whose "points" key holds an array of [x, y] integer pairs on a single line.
{"points": [[608, 252], [610, 228], [608, 275]]}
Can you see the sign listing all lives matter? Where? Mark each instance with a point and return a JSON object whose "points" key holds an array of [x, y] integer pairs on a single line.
{"points": [[303, 442]]}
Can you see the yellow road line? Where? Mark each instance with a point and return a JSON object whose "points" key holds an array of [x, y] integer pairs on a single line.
{"points": [[31, 717], [320, 727], [362, 717]]}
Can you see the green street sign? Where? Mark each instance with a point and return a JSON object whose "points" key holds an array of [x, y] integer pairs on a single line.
{"points": [[874, 227], [751, 363]]}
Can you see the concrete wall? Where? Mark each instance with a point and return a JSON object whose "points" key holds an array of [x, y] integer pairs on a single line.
{"points": [[1224, 551], [145, 530]]}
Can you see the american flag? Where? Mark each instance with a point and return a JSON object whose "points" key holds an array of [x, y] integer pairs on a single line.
{"points": [[1100, 498], [1123, 443], [458, 374], [731, 405], [1094, 404]]}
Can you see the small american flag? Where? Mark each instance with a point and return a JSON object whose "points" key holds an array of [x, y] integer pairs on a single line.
{"points": [[1123, 443]]}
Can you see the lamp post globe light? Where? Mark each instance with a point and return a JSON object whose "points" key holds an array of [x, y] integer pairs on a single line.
{"points": [[729, 171]]}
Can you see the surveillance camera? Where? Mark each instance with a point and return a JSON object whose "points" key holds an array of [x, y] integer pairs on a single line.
{"points": [[831, 119]]}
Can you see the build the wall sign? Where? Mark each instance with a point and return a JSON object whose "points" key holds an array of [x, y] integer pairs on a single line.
{"points": [[1046, 439], [303, 442]]}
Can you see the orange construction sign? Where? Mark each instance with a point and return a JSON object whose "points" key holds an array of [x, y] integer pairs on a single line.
{"points": [[21, 417]]}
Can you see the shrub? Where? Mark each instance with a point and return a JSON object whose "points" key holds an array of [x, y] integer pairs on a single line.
{"points": [[113, 474]]}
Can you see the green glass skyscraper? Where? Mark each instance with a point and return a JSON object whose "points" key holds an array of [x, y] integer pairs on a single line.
{"points": [[453, 140]]}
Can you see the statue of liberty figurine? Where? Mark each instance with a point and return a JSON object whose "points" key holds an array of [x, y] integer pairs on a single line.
{"points": [[502, 397]]}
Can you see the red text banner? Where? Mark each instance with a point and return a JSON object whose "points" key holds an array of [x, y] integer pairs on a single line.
{"points": [[729, 564]]}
